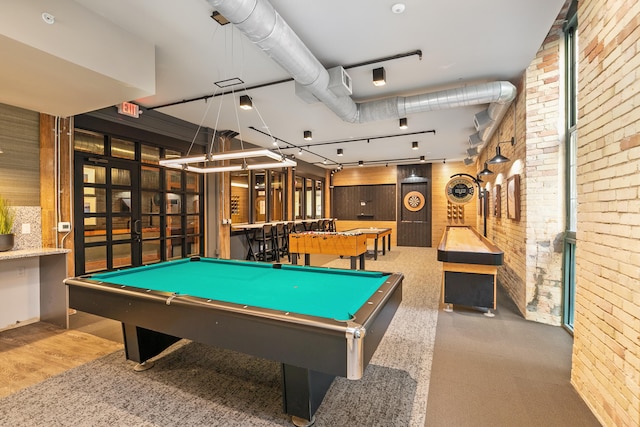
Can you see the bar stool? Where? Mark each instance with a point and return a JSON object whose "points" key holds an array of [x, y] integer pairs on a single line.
{"points": [[267, 247], [282, 240]]}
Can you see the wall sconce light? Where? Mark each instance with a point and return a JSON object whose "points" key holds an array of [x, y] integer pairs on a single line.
{"points": [[414, 145], [499, 158], [245, 102], [403, 123], [379, 77], [486, 170], [307, 135], [340, 152], [360, 163]]}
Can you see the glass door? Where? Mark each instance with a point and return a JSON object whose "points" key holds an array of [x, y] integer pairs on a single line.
{"points": [[107, 214]]}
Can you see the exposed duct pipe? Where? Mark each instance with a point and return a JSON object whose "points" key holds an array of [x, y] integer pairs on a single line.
{"points": [[264, 26]]}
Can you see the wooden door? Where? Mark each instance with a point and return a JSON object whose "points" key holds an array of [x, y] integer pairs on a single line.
{"points": [[414, 206]]}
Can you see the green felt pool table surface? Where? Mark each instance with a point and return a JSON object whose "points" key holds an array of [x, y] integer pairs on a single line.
{"points": [[322, 292]]}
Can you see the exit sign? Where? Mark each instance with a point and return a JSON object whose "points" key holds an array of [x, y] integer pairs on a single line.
{"points": [[129, 109]]}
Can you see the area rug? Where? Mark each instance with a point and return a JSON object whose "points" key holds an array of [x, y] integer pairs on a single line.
{"points": [[193, 384]]}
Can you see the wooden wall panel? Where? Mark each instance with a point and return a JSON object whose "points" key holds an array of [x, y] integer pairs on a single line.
{"points": [[365, 202], [20, 160], [365, 176], [441, 174]]}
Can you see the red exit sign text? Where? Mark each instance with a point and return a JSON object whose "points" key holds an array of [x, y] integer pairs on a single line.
{"points": [[129, 109]]}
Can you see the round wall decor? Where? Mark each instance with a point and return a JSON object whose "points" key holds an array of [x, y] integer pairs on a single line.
{"points": [[413, 201], [460, 190]]}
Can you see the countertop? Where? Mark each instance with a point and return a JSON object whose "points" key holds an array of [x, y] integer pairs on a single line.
{"points": [[27, 253]]}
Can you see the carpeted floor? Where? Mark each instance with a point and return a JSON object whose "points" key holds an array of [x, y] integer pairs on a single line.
{"points": [[195, 385]]}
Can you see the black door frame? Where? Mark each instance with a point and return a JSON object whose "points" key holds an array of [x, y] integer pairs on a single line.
{"points": [[81, 159]]}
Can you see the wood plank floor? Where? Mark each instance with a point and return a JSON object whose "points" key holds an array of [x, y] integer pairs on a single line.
{"points": [[32, 353]]}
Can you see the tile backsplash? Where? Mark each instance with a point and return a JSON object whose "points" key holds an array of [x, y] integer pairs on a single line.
{"points": [[27, 217]]}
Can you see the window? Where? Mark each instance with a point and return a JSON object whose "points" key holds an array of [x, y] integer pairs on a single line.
{"points": [[571, 144], [131, 211]]}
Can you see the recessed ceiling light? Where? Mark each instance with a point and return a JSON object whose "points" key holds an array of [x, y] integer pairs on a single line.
{"points": [[397, 8], [48, 18]]}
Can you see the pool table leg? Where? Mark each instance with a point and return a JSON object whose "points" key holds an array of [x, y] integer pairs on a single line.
{"points": [[141, 344], [303, 391]]}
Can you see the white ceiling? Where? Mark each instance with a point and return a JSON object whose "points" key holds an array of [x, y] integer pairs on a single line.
{"points": [[462, 43]]}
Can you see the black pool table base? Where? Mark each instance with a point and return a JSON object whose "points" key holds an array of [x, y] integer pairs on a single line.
{"points": [[303, 389]]}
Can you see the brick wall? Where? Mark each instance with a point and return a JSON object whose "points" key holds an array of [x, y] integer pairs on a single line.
{"points": [[532, 270], [606, 352]]}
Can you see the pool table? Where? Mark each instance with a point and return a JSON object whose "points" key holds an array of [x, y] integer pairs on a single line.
{"points": [[319, 323]]}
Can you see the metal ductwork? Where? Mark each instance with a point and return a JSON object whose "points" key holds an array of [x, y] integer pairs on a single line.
{"points": [[264, 26]]}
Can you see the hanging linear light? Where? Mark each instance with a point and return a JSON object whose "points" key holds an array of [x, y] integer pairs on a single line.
{"points": [[186, 162]]}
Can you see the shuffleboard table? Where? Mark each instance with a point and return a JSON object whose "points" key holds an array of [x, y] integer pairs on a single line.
{"points": [[319, 323], [469, 267]]}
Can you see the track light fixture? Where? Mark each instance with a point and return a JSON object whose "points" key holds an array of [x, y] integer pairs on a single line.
{"points": [[340, 152], [403, 123], [379, 77], [422, 160], [360, 163], [245, 102], [414, 145], [307, 135]]}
